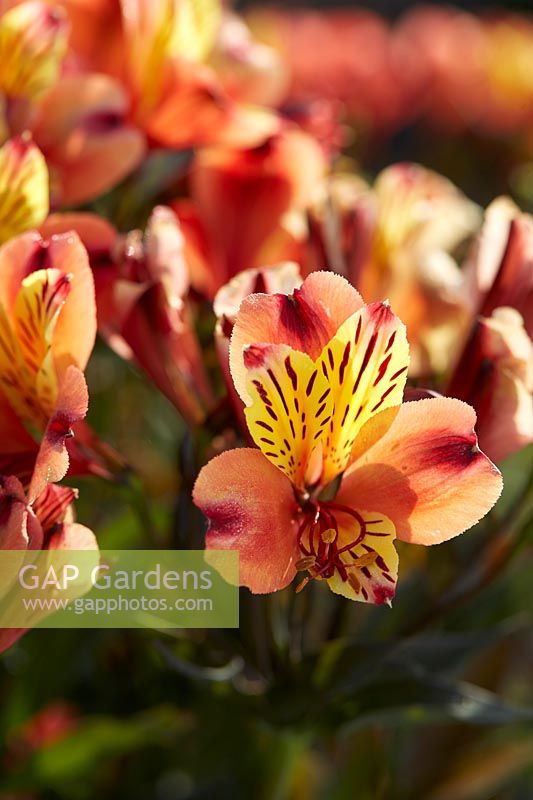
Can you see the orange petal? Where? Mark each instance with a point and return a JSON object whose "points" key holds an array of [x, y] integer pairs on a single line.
{"points": [[23, 187], [195, 112], [279, 279], [97, 235], [242, 195], [75, 331], [425, 473], [52, 460], [250, 507], [305, 320]]}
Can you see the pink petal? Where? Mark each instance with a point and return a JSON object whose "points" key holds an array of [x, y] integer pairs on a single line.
{"points": [[250, 506], [426, 472], [52, 460], [73, 536], [305, 320]]}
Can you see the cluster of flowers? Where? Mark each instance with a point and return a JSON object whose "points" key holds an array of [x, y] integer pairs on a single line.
{"points": [[441, 64], [345, 458]]}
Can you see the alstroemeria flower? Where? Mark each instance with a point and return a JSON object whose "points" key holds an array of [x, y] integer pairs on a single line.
{"points": [[241, 201], [81, 124], [40, 517], [159, 51], [47, 328], [142, 284], [280, 278], [79, 121], [33, 42], [499, 270], [343, 467], [23, 187], [396, 240], [495, 375]]}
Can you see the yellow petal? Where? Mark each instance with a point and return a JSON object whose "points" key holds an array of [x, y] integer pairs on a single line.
{"points": [[372, 565], [33, 41], [26, 360], [365, 365], [195, 28], [291, 406], [23, 188]]}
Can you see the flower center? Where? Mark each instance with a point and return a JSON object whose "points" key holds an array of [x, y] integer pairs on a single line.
{"points": [[325, 549]]}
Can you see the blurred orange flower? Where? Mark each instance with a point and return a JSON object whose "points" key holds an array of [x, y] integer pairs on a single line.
{"points": [[142, 284], [78, 121], [243, 204], [394, 240], [160, 52]]}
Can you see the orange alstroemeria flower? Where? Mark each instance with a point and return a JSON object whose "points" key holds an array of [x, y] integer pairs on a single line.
{"points": [[47, 332], [495, 375], [79, 121], [343, 467], [81, 125], [142, 284], [160, 52], [395, 240], [40, 517], [242, 203], [278, 279], [33, 43], [499, 270]]}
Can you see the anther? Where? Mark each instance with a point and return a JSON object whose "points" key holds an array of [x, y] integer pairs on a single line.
{"points": [[302, 585], [328, 536], [366, 560], [305, 563]]}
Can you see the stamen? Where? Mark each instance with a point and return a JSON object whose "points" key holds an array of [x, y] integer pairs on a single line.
{"points": [[329, 535], [366, 560], [318, 537], [305, 563], [302, 584]]}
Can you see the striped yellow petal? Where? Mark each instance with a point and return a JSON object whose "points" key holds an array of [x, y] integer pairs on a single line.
{"points": [[371, 566], [291, 406], [365, 365], [23, 188], [33, 41], [27, 370]]}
